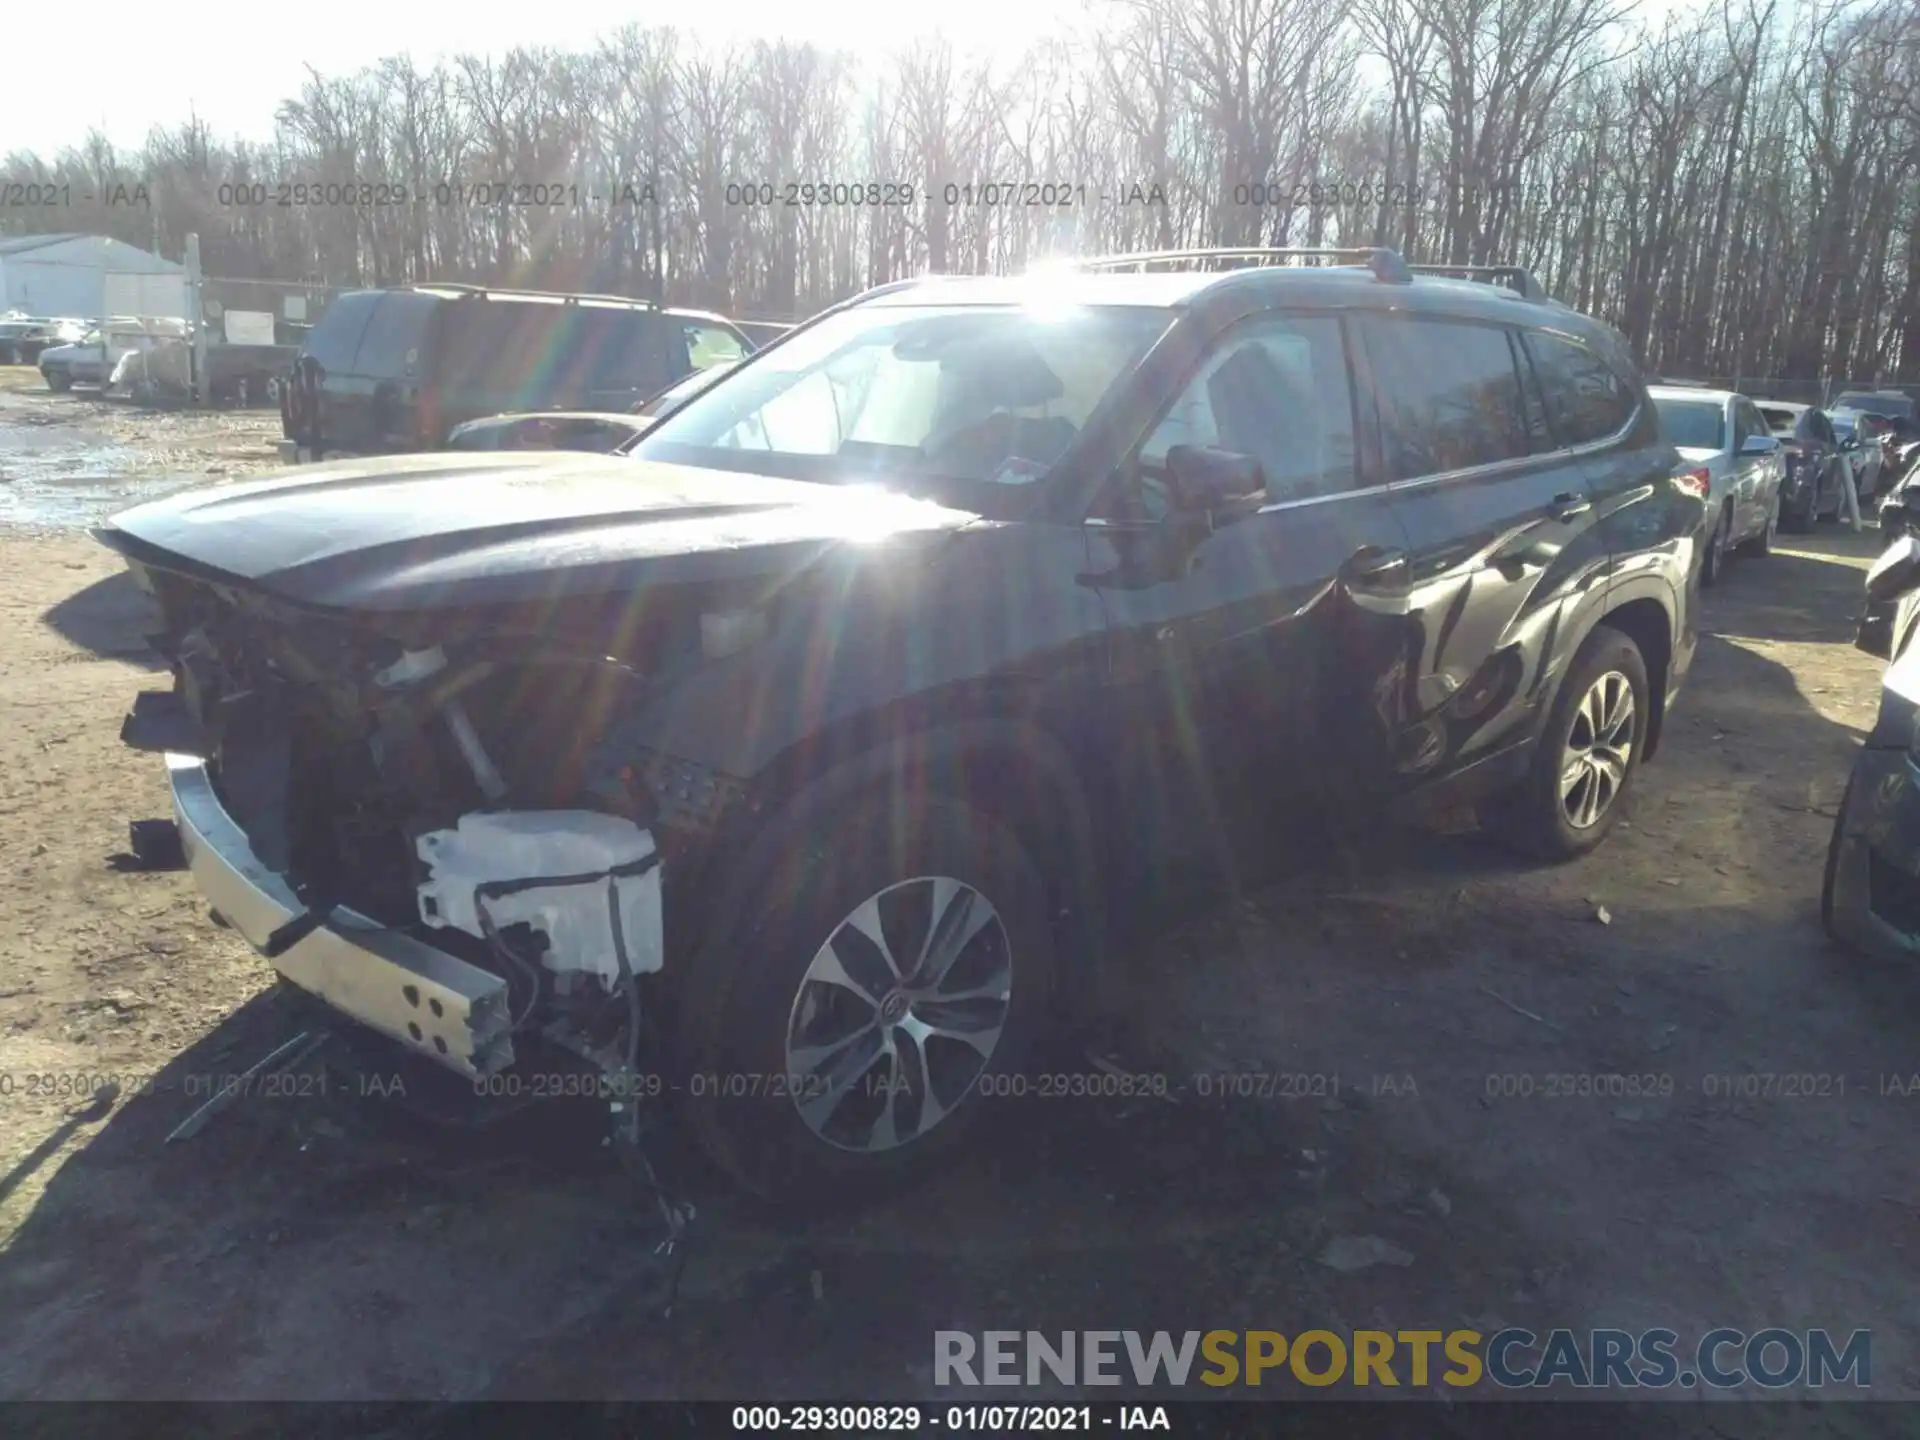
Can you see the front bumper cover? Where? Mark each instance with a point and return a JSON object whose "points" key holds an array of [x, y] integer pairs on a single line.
{"points": [[427, 1000]]}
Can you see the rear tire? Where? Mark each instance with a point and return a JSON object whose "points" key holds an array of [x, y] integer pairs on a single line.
{"points": [[1597, 728], [1761, 545], [1714, 564], [755, 1003], [1799, 521], [1832, 867]]}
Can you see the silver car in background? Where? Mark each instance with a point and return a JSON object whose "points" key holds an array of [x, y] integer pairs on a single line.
{"points": [[1723, 440]]}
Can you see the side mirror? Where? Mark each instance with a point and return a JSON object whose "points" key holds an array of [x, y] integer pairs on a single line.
{"points": [[1892, 575], [1895, 572], [1759, 445], [1205, 478]]}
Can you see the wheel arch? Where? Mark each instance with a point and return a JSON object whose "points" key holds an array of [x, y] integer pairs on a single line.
{"points": [[1015, 771], [1647, 622]]}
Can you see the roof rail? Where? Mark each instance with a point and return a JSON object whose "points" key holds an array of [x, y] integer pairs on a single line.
{"points": [[1516, 278], [1385, 263], [511, 293]]}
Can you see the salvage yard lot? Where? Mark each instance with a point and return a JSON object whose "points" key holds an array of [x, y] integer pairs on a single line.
{"points": [[310, 1245]]}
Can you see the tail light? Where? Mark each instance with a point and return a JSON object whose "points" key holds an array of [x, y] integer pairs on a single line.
{"points": [[1697, 483]]}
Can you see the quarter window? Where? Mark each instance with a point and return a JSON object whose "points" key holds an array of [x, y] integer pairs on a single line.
{"points": [[1275, 389], [1449, 394], [335, 339], [1587, 397]]}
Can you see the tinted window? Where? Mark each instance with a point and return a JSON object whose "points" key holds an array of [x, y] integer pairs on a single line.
{"points": [[604, 348], [396, 335], [1693, 424], [1779, 421], [335, 338], [1586, 398], [508, 348], [1449, 395], [1539, 431], [1275, 389]]}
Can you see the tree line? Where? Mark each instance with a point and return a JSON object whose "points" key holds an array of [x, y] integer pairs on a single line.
{"points": [[1737, 188]]}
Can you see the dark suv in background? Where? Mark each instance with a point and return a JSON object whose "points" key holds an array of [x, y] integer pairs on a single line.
{"points": [[811, 749], [385, 371]]}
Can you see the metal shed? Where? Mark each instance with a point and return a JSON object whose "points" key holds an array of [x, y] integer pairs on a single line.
{"points": [[86, 277]]}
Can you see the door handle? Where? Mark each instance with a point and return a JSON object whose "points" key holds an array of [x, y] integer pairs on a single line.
{"points": [[1568, 506], [1374, 562]]}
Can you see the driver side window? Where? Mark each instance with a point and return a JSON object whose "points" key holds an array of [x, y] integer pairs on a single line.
{"points": [[1275, 389]]}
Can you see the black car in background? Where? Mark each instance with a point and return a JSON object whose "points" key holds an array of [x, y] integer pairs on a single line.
{"points": [[1811, 489], [596, 432], [389, 371], [22, 339], [827, 733], [1887, 404]]}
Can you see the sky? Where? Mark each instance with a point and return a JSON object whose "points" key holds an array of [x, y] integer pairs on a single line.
{"points": [[232, 63]]}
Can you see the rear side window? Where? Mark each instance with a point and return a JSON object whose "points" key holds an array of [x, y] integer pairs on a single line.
{"points": [[336, 337], [508, 346], [1449, 395], [396, 335], [1587, 398]]}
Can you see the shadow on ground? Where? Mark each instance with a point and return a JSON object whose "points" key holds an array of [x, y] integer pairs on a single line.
{"points": [[315, 1245], [111, 618]]}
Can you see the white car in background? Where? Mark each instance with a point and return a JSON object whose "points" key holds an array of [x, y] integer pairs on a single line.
{"points": [[1723, 439], [91, 360]]}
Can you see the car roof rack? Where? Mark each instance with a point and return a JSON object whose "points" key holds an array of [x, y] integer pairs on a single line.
{"points": [[512, 293], [1385, 263], [1516, 278]]}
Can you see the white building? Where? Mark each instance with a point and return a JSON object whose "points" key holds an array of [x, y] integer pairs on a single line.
{"points": [[87, 276]]}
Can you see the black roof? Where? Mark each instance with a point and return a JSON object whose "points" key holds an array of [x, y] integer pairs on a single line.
{"points": [[1374, 278]]}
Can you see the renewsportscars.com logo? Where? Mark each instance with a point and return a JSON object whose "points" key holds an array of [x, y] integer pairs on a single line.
{"points": [[1512, 1358]]}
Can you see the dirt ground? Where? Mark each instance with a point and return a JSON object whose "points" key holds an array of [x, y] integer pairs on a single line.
{"points": [[316, 1246]]}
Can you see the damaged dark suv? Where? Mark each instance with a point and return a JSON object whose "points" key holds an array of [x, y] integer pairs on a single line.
{"points": [[809, 754]]}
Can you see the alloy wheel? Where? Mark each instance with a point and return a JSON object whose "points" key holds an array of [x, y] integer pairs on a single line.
{"points": [[1599, 748], [898, 1014]]}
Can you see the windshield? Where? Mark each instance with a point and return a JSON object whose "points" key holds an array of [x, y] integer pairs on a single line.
{"points": [[1876, 404], [1693, 424], [968, 395], [1781, 422]]}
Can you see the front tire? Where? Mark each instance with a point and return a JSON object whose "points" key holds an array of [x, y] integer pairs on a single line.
{"points": [[1586, 756], [884, 973], [58, 380]]}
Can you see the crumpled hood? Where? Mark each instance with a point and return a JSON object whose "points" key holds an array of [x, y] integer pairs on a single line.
{"points": [[408, 532]]}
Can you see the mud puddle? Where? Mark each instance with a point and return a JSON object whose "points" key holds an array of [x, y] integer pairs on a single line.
{"points": [[69, 461]]}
